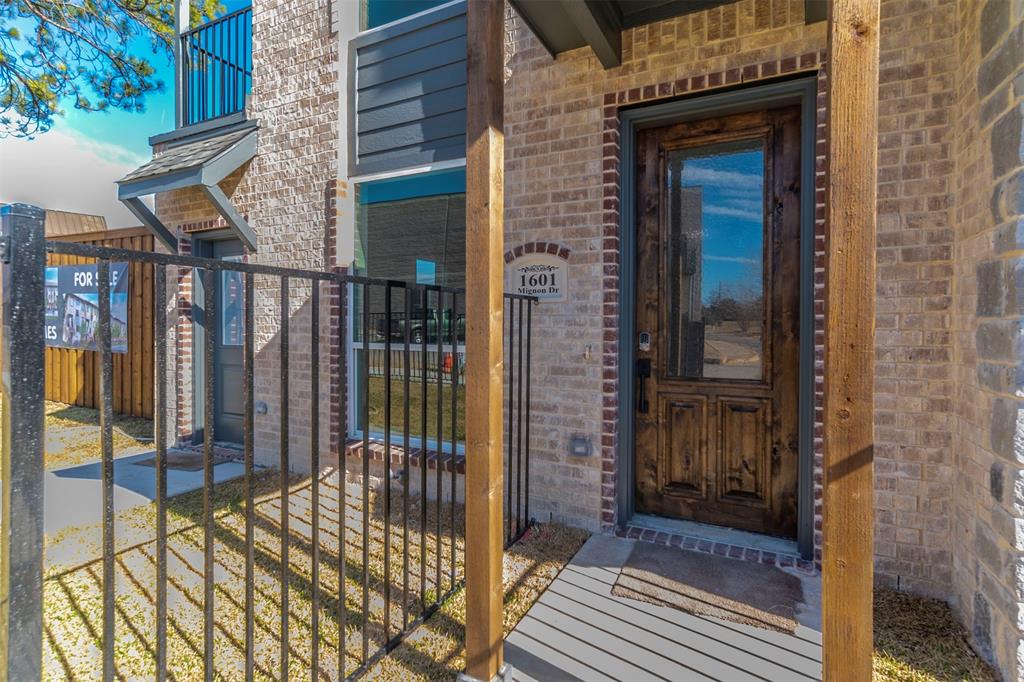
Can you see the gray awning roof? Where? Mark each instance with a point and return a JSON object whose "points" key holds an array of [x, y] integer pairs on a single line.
{"points": [[198, 163]]}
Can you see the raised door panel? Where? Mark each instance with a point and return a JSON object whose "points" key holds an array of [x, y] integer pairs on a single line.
{"points": [[743, 459], [684, 466]]}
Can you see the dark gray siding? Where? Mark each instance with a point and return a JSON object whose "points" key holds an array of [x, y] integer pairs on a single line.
{"points": [[409, 92]]}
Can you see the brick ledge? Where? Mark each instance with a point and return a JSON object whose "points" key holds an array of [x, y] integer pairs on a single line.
{"points": [[695, 544], [354, 449]]}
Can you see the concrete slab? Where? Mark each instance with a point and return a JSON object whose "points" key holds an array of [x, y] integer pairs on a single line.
{"points": [[579, 630], [73, 495]]}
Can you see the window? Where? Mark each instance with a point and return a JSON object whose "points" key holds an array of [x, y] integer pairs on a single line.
{"points": [[405, 224], [379, 12], [232, 301], [411, 229]]}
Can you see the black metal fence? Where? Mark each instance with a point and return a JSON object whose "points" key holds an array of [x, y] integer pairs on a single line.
{"points": [[216, 67], [379, 548]]}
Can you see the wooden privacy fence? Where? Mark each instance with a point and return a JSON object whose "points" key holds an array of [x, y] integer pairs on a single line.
{"points": [[73, 376]]}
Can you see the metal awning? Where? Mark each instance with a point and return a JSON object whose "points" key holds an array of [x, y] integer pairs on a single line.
{"points": [[563, 25], [198, 163]]}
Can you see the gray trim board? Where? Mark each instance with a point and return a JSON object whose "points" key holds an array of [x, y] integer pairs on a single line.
{"points": [[148, 218], [197, 131], [227, 210], [803, 91], [228, 161]]}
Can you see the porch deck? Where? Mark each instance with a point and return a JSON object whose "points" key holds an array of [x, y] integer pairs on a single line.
{"points": [[579, 630]]}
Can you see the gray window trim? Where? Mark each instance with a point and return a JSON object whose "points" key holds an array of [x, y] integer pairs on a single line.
{"points": [[407, 172], [412, 22], [803, 91]]}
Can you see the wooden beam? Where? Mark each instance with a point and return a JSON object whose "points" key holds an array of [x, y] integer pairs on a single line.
{"points": [[849, 339], [485, 157], [599, 27]]}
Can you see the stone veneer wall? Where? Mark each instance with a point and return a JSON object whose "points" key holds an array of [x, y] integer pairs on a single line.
{"points": [[988, 446], [288, 194]]}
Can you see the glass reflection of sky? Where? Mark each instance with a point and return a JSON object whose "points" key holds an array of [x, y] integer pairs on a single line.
{"points": [[731, 178]]}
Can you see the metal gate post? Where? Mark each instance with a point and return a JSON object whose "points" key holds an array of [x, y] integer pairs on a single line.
{"points": [[22, 356]]}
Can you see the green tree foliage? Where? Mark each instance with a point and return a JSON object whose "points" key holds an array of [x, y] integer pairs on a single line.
{"points": [[54, 52]]}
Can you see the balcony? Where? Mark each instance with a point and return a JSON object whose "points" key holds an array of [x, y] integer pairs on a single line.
{"points": [[215, 68]]}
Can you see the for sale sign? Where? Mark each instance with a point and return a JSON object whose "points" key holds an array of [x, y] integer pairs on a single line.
{"points": [[73, 310]]}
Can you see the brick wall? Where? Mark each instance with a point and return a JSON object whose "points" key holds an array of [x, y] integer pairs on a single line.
{"points": [[988, 517], [288, 194], [559, 189], [561, 185], [914, 469]]}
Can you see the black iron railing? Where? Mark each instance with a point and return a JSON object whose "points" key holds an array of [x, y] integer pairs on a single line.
{"points": [[518, 359], [216, 67], [384, 546]]}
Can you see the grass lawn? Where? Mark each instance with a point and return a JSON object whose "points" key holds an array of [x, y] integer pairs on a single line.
{"points": [[73, 435], [415, 406], [73, 597], [919, 640]]}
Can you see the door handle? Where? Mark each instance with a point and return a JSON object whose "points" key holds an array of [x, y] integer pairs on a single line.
{"points": [[643, 372]]}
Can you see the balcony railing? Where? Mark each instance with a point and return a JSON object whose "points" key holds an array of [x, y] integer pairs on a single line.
{"points": [[216, 67]]}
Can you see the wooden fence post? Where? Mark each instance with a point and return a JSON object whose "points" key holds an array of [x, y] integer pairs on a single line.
{"points": [[849, 339], [484, 309]]}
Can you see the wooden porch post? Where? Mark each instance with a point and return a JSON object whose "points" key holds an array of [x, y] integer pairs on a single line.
{"points": [[484, 305], [849, 339]]}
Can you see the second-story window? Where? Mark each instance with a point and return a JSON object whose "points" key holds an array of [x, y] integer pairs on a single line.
{"points": [[376, 13]]}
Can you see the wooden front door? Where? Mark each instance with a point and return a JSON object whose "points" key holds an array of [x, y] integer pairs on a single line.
{"points": [[717, 310]]}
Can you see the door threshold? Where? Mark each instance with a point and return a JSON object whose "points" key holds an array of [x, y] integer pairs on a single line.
{"points": [[719, 534]]}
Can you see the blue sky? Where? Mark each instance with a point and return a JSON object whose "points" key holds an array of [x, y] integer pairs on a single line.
{"points": [[731, 181], [73, 166]]}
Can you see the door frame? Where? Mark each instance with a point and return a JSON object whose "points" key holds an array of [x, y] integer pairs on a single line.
{"points": [[803, 91], [202, 247]]}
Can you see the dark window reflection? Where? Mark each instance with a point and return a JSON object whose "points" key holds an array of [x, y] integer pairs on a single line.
{"points": [[411, 229]]}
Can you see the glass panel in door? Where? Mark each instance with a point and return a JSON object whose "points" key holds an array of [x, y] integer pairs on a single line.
{"points": [[715, 255]]}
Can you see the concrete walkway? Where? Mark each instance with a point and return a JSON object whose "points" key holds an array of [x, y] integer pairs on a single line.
{"points": [[74, 495], [578, 630]]}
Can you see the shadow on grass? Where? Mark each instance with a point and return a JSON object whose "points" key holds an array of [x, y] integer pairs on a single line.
{"points": [[73, 607]]}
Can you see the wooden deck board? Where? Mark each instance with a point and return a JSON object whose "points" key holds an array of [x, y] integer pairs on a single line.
{"points": [[578, 630]]}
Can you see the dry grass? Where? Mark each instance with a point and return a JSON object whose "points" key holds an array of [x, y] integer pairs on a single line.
{"points": [[73, 435], [73, 593], [918, 640], [436, 650]]}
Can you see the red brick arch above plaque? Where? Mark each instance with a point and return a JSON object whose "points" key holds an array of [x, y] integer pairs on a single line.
{"points": [[538, 269]]}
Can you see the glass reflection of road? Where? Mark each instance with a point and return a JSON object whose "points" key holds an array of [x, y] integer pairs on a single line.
{"points": [[732, 354]]}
